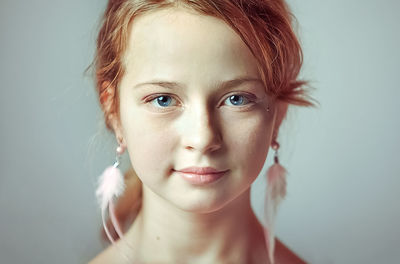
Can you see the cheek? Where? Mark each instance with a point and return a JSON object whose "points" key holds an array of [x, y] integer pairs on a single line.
{"points": [[149, 145], [249, 144]]}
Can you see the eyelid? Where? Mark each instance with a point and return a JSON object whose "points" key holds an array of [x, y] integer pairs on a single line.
{"points": [[154, 96], [148, 101], [250, 97]]}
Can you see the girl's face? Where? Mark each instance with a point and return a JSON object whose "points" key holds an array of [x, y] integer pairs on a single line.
{"points": [[193, 117]]}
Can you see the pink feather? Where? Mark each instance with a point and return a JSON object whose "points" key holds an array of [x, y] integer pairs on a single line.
{"points": [[276, 192], [110, 185]]}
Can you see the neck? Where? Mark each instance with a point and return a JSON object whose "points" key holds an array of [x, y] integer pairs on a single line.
{"points": [[231, 233]]}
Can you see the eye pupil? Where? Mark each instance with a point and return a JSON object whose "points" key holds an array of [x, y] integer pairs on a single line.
{"points": [[236, 99], [163, 100]]}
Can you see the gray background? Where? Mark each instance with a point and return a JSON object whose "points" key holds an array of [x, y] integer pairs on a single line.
{"points": [[343, 200]]}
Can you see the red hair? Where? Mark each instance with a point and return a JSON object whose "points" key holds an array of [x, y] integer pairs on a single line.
{"points": [[263, 25]]}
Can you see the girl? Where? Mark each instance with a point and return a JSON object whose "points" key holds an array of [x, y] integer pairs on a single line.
{"points": [[195, 91]]}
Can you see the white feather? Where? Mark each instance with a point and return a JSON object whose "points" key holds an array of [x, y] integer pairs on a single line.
{"points": [[111, 184], [276, 192]]}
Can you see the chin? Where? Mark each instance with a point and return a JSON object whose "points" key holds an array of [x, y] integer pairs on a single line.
{"points": [[201, 204]]}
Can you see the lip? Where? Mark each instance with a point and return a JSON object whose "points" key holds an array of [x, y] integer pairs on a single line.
{"points": [[201, 170], [201, 175]]}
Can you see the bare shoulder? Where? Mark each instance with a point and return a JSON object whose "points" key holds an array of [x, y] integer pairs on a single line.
{"points": [[284, 255], [107, 256]]}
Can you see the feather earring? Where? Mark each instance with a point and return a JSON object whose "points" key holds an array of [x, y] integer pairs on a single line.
{"points": [[110, 186], [276, 192]]}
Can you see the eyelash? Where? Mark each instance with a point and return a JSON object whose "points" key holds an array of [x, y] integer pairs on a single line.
{"points": [[246, 97]]}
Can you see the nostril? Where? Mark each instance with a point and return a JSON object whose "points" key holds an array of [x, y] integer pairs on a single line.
{"points": [[203, 136], [189, 148], [214, 147], [209, 148]]}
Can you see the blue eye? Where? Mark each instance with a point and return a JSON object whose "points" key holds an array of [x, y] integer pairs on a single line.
{"points": [[162, 101], [237, 100]]}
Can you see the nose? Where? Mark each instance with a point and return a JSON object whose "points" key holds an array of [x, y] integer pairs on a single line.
{"points": [[201, 131]]}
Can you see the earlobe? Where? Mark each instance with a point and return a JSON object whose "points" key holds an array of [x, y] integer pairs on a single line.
{"points": [[118, 131], [107, 99]]}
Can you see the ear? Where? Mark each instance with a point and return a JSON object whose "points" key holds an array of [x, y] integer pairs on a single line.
{"points": [[281, 111], [107, 100], [118, 130]]}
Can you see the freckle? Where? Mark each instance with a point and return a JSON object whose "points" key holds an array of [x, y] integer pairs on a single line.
{"points": [[158, 238]]}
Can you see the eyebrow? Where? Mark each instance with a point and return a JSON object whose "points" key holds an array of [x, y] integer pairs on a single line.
{"points": [[222, 85]]}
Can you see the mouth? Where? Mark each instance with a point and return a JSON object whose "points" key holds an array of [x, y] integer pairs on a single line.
{"points": [[201, 175]]}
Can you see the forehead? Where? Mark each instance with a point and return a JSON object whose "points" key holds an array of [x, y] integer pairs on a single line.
{"points": [[184, 45]]}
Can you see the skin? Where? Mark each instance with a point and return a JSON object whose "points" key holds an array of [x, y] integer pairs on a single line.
{"points": [[197, 124]]}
